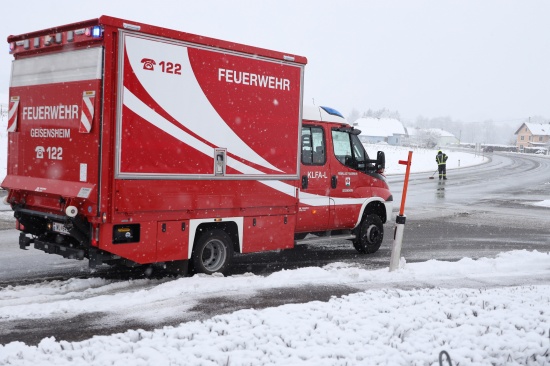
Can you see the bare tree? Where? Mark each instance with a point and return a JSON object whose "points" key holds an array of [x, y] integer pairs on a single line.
{"points": [[353, 116], [429, 138]]}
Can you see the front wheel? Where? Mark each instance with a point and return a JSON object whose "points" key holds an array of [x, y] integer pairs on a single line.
{"points": [[371, 234], [212, 253]]}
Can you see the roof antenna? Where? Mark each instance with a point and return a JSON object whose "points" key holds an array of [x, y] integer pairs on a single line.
{"points": [[313, 99]]}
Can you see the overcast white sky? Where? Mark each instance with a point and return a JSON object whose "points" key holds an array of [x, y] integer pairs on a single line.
{"points": [[467, 59]]}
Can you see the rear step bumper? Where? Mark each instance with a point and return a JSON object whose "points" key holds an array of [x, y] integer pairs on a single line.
{"points": [[95, 256], [62, 250]]}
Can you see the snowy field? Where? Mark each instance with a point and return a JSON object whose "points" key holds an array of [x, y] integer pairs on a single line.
{"points": [[423, 160], [470, 309]]}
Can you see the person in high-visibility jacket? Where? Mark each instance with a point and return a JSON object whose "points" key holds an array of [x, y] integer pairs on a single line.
{"points": [[441, 159]]}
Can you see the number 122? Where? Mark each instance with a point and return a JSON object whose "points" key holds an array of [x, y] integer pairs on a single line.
{"points": [[170, 68]]}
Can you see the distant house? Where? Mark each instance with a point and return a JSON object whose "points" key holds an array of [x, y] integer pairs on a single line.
{"points": [[533, 135], [374, 130], [430, 137]]}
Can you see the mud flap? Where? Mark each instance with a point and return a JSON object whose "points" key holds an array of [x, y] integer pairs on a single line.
{"points": [[24, 241], [96, 257], [178, 268]]}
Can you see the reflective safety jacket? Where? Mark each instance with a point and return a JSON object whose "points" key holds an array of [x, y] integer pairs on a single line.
{"points": [[441, 158]]}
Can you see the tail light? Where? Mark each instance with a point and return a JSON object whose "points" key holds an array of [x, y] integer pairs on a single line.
{"points": [[19, 226], [95, 235]]}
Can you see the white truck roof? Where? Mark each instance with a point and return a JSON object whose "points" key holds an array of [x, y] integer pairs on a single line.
{"points": [[323, 114]]}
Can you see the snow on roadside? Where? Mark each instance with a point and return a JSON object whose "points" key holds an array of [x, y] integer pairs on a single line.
{"points": [[80, 296], [388, 326], [545, 203]]}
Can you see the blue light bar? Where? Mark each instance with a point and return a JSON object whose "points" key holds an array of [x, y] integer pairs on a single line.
{"points": [[332, 111], [96, 32]]}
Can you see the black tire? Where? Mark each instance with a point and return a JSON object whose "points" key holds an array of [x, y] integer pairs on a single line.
{"points": [[371, 234], [213, 252]]}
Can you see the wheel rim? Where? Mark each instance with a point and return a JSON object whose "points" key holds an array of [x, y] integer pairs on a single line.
{"points": [[214, 255], [373, 234]]}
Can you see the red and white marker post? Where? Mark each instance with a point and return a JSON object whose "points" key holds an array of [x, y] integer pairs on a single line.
{"points": [[400, 219]]}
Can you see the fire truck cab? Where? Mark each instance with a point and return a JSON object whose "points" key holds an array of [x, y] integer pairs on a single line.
{"points": [[341, 185]]}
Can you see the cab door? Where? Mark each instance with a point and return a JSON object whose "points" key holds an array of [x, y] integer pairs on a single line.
{"points": [[313, 213], [349, 184]]}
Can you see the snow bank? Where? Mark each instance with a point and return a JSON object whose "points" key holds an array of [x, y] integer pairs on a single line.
{"points": [[477, 326], [382, 327]]}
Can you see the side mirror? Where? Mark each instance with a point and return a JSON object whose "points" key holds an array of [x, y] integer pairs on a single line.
{"points": [[380, 161]]}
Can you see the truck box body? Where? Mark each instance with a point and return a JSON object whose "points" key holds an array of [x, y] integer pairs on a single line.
{"points": [[134, 143]]}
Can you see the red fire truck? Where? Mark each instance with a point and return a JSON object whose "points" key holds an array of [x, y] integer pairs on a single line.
{"points": [[135, 144]]}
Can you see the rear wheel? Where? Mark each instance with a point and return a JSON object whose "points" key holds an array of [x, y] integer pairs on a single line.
{"points": [[212, 253], [371, 234]]}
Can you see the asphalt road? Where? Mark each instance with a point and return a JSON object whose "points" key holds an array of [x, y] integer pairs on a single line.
{"points": [[479, 212]]}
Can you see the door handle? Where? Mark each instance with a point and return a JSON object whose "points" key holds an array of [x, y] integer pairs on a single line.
{"points": [[334, 181], [304, 182]]}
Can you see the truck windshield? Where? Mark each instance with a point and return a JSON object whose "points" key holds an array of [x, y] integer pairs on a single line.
{"points": [[349, 150]]}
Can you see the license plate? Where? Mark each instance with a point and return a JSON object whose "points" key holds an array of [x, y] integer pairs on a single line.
{"points": [[60, 228]]}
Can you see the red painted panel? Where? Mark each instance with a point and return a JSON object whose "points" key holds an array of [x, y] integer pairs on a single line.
{"points": [[172, 240], [256, 98], [50, 186], [264, 233], [180, 103], [149, 196], [142, 252], [48, 144], [146, 149]]}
